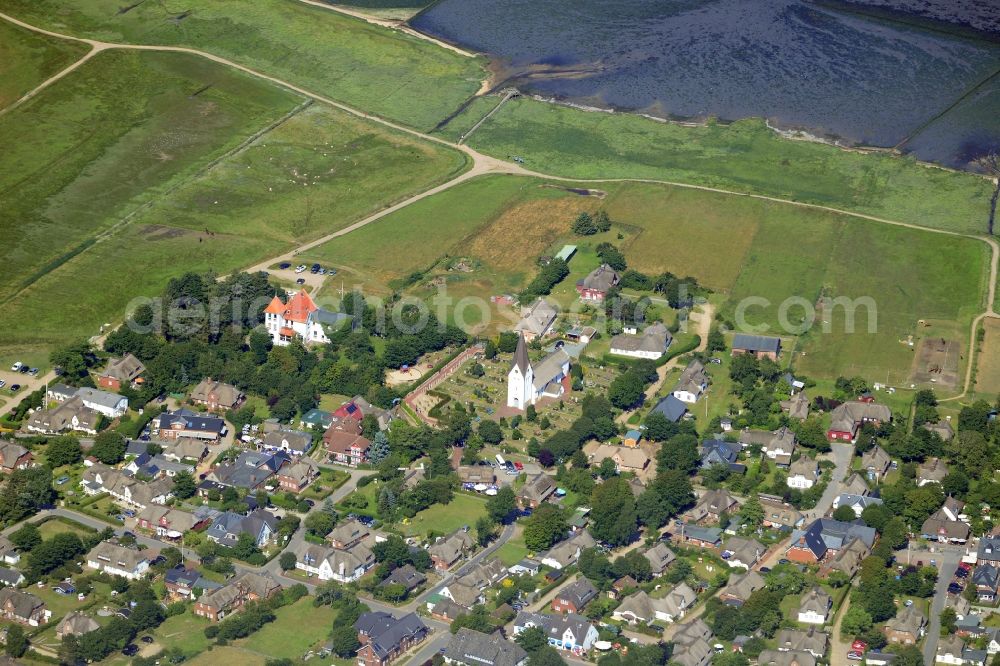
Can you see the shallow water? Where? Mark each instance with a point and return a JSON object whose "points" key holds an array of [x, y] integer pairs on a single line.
{"points": [[835, 74]]}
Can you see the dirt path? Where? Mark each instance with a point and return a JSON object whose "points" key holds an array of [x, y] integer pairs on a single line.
{"points": [[94, 50], [484, 164]]}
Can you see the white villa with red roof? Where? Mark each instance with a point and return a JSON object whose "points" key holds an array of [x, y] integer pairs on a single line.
{"points": [[299, 317]]}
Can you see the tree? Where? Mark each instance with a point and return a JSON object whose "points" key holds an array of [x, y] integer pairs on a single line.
{"points": [[63, 450], [532, 639], [502, 505], [948, 619], [379, 450], [856, 621], [319, 523], [184, 486], [344, 640], [613, 515], [584, 225], [752, 512], [26, 537], [109, 447], [485, 530], [544, 527], [909, 655], [287, 561], [844, 513], [17, 642], [490, 432], [545, 656], [626, 390]]}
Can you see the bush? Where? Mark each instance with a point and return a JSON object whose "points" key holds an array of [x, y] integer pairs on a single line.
{"points": [[211, 631]]}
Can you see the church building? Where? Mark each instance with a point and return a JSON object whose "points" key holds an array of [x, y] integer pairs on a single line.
{"points": [[526, 384]]}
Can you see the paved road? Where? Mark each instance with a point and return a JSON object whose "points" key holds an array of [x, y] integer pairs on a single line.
{"points": [[842, 455], [947, 562]]}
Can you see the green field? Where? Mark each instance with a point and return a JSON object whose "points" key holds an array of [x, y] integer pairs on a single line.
{"points": [[72, 168], [464, 509], [745, 156], [316, 172], [370, 67], [28, 58], [739, 247], [297, 629]]}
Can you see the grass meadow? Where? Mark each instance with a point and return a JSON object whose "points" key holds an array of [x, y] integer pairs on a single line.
{"points": [[738, 246], [744, 156], [109, 137], [28, 58], [366, 66], [316, 172]]}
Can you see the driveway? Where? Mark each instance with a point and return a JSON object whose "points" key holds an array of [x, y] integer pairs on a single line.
{"points": [[947, 563], [841, 455]]}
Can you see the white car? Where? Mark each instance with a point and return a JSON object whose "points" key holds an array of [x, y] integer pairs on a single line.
{"points": [[2, 383], [17, 367], [301, 268]]}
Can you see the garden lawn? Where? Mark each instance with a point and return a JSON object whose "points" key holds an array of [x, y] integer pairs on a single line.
{"points": [[185, 632], [297, 629], [744, 156], [55, 526], [372, 68], [464, 509], [28, 58]]}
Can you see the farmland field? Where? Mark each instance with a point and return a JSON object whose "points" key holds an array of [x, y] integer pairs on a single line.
{"points": [[318, 171], [737, 246], [71, 169], [373, 68], [28, 58], [745, 156]]}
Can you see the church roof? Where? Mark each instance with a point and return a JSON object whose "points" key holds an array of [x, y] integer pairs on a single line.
{"points": [[521, 361]]}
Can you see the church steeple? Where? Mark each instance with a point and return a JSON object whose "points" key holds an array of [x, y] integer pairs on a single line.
{"points": [[521, 361]]}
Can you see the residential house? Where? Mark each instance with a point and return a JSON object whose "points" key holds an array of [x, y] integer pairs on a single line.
{"points": [[185, 423], [569, 632], [691, 644], [797, 407], [472, 475], [448, 550], [942, 429], [660, 557], [855, 485], [626, 459], [155, 467], [988, 551], [14, 456], [8, 552], [652, 343], [811, 640], [596, 285], [573, 597], [803, 473], [815, 606], [406, 576], [717, 452], [780, 514], [786, 658], [75, 624], [236, 594], [846, 419], [124, 371], [109, 405], [876, 462], [622, 585], [536, 489], [743, 553], [356, 409], [23, 608], [444, 609], [485, 574], [711, 505], [181, 582], [316, 419], [857, 503], [69, 415], [640, 608], [632, 438], [10, 577], [251, 470], [228, 526], [741, 586], [348, 534], [950, 650], [761, 346], [932, 470], [473, 648], [847, 560], [986, 578], [692, 383], [671, 408], [825, 537], [296, 476], [567, 552], [216, 396], [384, 638], [166, 521], [346, 447], [537, 320], [344, 565], [110, 558], [185, 448], [294, 442], [907, 627], [702, 537], [527, 567], [300, 318], [959, 604], [947, 524], [778, 445]]}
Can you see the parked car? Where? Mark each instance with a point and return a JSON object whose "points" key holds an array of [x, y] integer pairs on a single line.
{"points": [[14, 388], [2, 383], [955, 588], [24, 369], [300, 281], [130, 649], [61, 480], [859, 646], [961, 573], [854, 656], [16, 367], [301, 268], [284, 265], [33, 372]]}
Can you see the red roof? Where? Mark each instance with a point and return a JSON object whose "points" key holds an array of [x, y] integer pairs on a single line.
{"points": [[299, 307], [349, 410], [339, 441], [286, 332], [275, 306]]}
